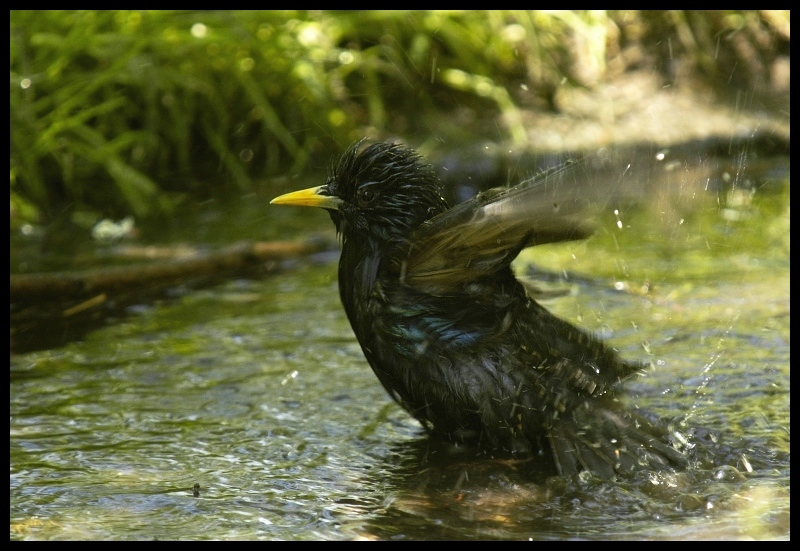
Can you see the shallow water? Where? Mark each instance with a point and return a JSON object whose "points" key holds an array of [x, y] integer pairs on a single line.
{"points": [[258, 392]]}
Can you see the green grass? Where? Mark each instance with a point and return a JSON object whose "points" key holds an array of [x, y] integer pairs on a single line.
{"points": [[127, 112]]}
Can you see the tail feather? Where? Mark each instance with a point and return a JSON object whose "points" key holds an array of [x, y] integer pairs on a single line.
{"points": [[606, 442]]}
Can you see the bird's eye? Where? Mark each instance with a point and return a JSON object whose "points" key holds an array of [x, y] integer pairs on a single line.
{"points": [[365, 195]]}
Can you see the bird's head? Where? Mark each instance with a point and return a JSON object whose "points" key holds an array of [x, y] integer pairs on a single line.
{"points": [[383, 191]]}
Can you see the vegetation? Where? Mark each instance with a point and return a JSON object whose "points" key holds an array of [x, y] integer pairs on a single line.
{"points": [[123, 112]]}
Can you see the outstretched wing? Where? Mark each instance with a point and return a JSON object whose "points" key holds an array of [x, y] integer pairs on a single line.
{"points": [[484, 234]]}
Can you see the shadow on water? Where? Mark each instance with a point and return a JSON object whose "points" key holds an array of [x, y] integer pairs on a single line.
{"points": [[731, 491], [247, 410]]}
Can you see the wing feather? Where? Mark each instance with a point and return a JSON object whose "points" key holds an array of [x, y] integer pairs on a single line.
{"points": [[484, 234]]}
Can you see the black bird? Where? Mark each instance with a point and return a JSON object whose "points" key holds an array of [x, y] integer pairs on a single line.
{"points": [[452, 334]]}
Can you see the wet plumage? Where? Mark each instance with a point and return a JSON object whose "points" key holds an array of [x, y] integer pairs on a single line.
{"points": [[452, 334]]}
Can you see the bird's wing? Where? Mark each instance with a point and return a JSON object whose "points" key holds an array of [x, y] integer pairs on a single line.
{"points": [[484, 234]]}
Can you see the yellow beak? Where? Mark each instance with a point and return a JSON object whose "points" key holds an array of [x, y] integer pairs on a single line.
{"points": [[311, 197]]}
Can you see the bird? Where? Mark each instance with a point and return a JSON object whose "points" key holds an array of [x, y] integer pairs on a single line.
{"points": [[456, 338]]}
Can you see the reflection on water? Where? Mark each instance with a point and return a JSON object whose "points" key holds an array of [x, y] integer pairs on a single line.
{"points": [[258, 392]]}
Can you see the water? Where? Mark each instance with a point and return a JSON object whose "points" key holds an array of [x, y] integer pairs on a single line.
{"points": [[256, 391]]}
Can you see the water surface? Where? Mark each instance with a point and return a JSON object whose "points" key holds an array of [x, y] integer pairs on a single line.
{"points": [[247, 411]]}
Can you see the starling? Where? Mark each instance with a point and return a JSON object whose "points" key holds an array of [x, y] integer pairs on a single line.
{"points": [[455, 338]]}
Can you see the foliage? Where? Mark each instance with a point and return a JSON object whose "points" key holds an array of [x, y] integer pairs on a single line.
{"points": [[121, 112]]}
